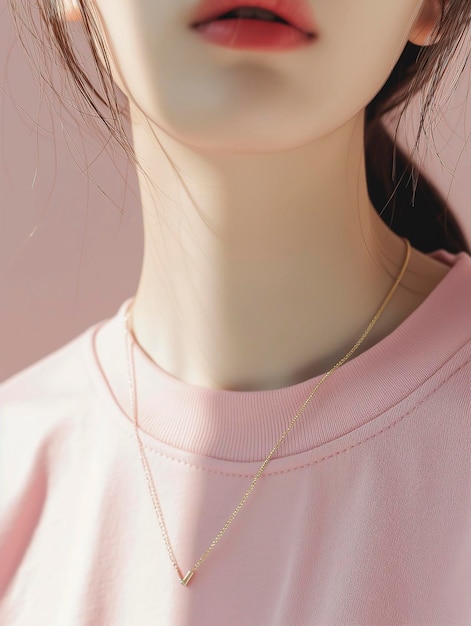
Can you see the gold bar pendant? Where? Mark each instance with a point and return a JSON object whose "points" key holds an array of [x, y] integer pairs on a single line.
{"points": [[187, 578]]}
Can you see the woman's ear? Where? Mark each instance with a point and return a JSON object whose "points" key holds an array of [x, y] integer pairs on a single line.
{"points": [[426, 21], [72, 11]]}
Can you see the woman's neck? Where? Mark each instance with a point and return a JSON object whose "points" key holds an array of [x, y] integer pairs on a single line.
{"points": [[262, 270]]}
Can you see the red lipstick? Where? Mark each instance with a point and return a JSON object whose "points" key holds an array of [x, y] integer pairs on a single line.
{"points": [[291, 25]]}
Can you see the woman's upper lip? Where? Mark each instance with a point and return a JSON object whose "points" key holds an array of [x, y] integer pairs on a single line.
{"points": [[297, 12]]}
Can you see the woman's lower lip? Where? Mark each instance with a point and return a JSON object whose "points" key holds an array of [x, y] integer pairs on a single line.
{"points": [[250, 34]]}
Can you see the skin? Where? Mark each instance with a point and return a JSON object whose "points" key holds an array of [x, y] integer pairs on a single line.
{"points": [[264, 260]]}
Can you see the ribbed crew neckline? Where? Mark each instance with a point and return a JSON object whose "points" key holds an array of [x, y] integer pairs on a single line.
{"points": [[243, 426]]}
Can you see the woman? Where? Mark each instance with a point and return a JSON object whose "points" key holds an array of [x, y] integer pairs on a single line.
{"points": [[275, 429]]}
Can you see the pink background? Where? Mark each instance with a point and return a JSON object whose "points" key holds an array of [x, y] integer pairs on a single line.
{"points": [[68, 257]]}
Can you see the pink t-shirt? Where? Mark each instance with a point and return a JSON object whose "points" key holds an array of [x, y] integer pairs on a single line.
{"points": [[363, 516]]}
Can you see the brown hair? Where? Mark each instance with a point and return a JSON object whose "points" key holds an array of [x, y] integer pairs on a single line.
{"points": [[402, 195]]}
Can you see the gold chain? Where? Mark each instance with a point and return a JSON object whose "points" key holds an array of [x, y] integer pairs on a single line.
{"points": [[186, 579]]}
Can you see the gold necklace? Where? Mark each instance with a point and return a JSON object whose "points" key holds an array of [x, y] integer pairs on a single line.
{"points": [[186, 579]]}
